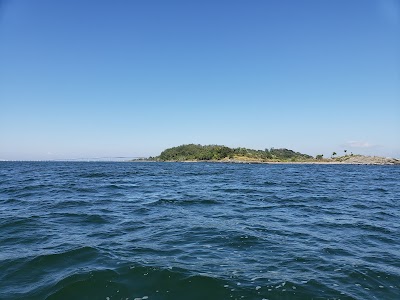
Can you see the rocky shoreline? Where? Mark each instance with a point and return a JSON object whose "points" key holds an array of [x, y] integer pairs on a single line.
{"points": [[343, 160], [368, 160]]}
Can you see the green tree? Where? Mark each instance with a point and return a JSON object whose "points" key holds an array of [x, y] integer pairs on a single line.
{"points": [[218, 152]]}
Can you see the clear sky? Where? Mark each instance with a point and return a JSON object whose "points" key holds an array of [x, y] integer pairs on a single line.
{"points": [[131, 78]]}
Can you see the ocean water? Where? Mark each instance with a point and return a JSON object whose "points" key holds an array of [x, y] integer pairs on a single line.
{"points": [[89, 230]]}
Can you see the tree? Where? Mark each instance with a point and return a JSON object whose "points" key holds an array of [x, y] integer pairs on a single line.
{"points": [[319, 156], [345, 151], [333, 154]]}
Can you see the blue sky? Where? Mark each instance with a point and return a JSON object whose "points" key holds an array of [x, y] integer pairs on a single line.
{"points": [[131, 78]]}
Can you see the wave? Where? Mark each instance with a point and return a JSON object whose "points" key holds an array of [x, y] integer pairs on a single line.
{"points": [[136, 282], [184, 202], [81, 218], [28, 277], [95, 175], [139, 282], [142, 282], [89, 273]]}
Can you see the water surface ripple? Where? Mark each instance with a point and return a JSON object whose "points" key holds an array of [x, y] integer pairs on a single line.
{"points": [[75, 230]]}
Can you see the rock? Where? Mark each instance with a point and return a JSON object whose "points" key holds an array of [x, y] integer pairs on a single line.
{"points": [[369, 160]]}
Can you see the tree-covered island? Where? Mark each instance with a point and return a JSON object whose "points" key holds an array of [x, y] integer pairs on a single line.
{"points": [[220, 153], [193, 152]]}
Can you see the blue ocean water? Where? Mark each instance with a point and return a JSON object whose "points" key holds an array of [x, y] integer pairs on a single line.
{"points": [[90, 230]]}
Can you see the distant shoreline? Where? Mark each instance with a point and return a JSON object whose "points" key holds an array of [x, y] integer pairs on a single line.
{"points": [[224, 154], [390, 162], [361, 160]]}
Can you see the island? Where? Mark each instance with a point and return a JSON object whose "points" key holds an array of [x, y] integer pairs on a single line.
{"points": [[220, 153]]}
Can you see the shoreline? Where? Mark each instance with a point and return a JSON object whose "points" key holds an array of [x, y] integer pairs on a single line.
{"points": [[385, 162]]}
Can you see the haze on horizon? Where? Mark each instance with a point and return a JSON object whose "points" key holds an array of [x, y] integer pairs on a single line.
{"points": [[131, 78]]}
